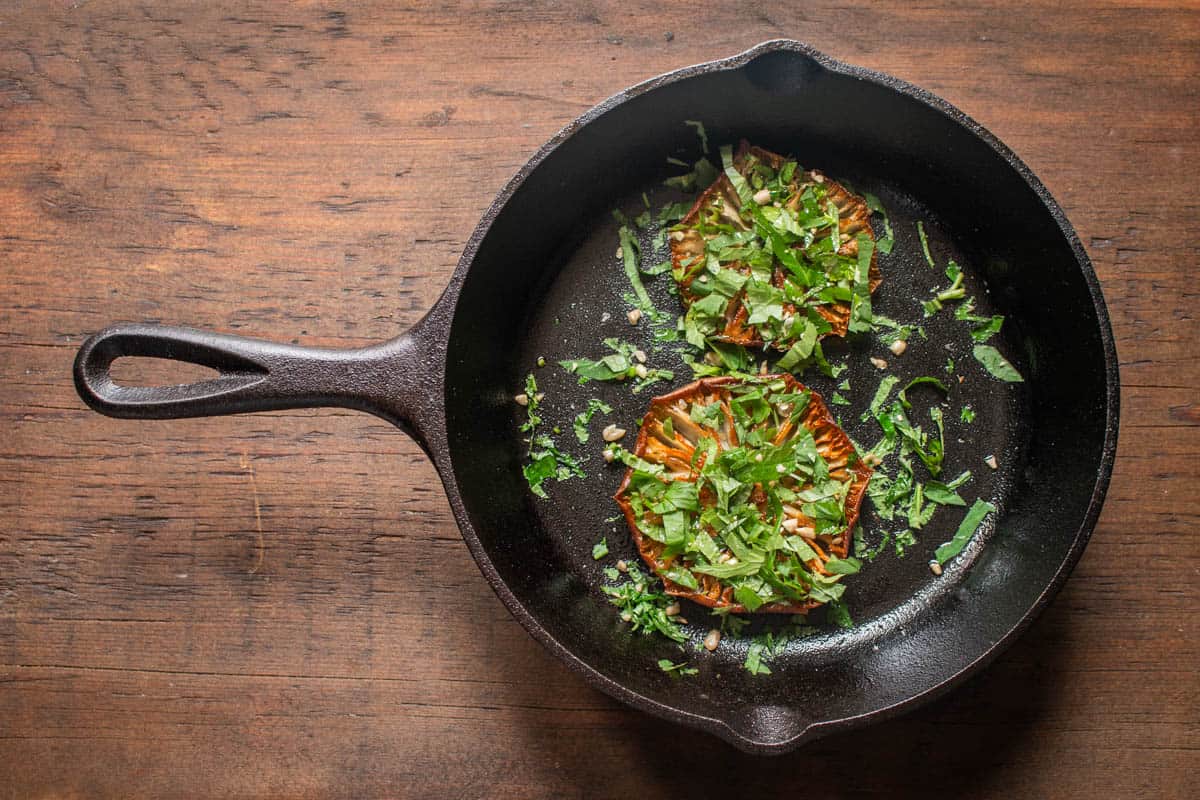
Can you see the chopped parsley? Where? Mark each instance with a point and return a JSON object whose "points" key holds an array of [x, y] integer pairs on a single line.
{"points": [[983, 328], [771, 644], [904, 540], [966, 530], [545, 459], [996, 364], [954, 292], [888, 240], [967, 414], [924, 244], [839, 615], [891, 331], [703, 134], [631, 258], [924, 379], [644, 608], [676, 670], [702, 174], [621, 364], [600, 549], [582, 420], [864, 551]]}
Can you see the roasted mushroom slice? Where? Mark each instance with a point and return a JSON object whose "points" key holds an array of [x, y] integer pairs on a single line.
{"points": [[770, 254], [742, 494]]}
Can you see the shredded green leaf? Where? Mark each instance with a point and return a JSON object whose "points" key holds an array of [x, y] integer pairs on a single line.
{"points": [[583, 419], [888, 240], [699, 126], [545, 459], [982, 328], [600, 549], [676, 670], [643, 607], [924, 379], [622, 364], [966, 530], [771, 644], [954, 292], [924, 243], [996, 364], [839, 614]]}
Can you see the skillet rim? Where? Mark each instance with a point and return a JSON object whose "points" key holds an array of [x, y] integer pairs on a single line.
{"points": [[437, 438]]}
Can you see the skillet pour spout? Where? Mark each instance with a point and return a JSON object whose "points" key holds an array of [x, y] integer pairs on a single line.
{"points": [[533, 281]]}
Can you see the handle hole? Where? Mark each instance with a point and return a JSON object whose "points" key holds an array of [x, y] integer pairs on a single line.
{"points": [[151, 372]]}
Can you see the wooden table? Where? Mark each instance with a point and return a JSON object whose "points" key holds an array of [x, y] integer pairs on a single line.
{"points": [[281, 605]]}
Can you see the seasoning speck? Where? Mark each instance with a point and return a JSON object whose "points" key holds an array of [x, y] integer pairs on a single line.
{"points": [[634, 316], [935, 568], [522, 399], [878, 363], [712, 640]]}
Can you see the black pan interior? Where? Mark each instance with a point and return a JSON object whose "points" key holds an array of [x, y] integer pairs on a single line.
{"points": [[546, 282]]}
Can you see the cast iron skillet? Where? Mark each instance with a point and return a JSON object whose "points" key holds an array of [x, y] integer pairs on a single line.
{"points": [[538, 278]]}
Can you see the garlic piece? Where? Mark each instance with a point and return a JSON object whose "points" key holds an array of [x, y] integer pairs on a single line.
{"points": [[612, 433]]}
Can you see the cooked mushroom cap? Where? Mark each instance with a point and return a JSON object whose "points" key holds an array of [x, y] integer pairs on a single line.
{"points": [[670, 436], [688, 243]]}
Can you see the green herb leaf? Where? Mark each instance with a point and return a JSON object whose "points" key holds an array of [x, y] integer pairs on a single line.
{"points": [[839, 614], [967, 414], [676, 670], [631, 259], [744, 192], [924, 379], [924, 243], [843, 566], [983, 328], [996, 364], [943, 495], [904, 540], [644, 607], [600, 549], [888, 240], [966, 530], [703, 173], [582, 420], [703, 134], [860, 302], [881, 395]]}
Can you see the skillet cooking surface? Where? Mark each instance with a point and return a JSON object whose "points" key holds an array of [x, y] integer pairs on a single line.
{"points": [[546, 274]]}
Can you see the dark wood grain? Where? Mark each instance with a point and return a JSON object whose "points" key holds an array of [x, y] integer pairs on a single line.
{"points": [[185, 611]]}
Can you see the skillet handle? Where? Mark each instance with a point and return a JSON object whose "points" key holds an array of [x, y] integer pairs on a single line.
{"points": [[387, 379]]}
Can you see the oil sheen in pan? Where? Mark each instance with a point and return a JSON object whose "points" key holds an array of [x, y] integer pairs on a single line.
{"points": [[583, 304]]}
